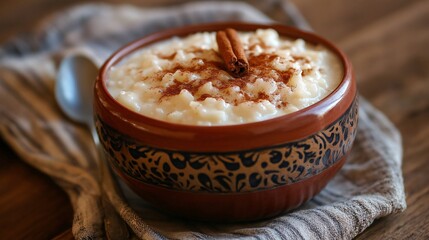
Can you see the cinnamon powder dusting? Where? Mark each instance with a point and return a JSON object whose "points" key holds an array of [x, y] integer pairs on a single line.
{"points": [[215, 71]]}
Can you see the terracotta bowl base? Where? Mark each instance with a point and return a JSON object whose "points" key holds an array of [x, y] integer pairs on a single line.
{"points": [[233, 207]]}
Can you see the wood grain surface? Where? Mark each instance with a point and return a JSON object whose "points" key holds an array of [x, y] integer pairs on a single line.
{"points": [[388, 43]]}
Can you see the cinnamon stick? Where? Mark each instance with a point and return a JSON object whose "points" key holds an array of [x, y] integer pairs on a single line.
{"points": [[232, 52]]}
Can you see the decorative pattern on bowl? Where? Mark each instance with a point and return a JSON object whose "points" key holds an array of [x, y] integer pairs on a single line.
{"points": [[241, 171]]}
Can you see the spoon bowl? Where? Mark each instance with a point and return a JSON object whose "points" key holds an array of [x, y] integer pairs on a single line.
{"points": [[74, 88]]}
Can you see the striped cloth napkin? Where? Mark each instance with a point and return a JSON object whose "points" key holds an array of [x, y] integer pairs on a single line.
{"points": [[369, 186]]}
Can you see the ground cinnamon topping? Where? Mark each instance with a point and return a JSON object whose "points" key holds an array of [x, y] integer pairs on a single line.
{"points": [[210, 71], [244, 69]]}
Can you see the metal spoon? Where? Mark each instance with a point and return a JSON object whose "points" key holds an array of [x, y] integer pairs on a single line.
{"points": [[74, 94]]}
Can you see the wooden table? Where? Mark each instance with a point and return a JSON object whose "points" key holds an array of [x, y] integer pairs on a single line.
{"points": [[387, 41]]}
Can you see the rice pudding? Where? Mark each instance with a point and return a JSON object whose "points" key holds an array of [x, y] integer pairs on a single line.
{"points": [[185, 80]]}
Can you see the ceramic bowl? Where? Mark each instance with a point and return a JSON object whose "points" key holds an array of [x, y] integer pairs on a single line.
{"points": [[228, 173]]}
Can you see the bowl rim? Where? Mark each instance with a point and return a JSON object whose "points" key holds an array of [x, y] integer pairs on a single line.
{"points": [[296, 120]]}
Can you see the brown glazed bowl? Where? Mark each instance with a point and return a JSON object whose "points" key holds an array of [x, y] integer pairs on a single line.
{"points": [[235, 172]]}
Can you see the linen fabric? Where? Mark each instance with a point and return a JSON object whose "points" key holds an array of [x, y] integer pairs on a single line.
{"points": [[368, 187]]}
